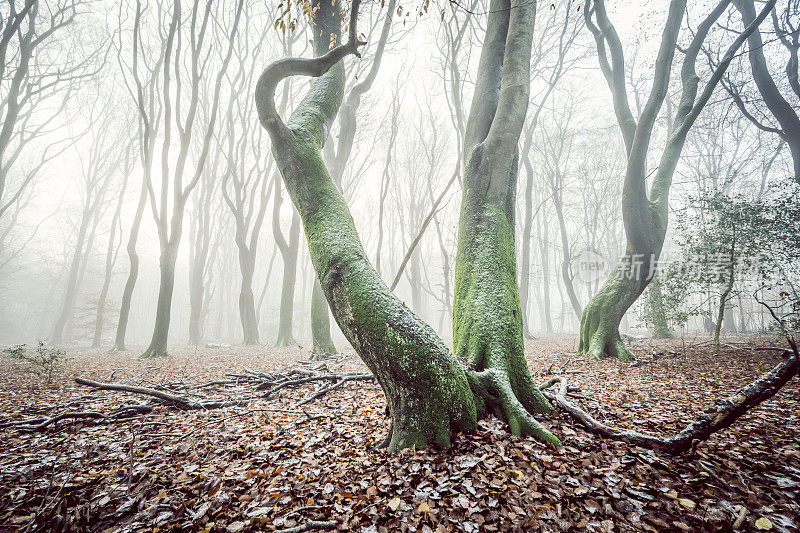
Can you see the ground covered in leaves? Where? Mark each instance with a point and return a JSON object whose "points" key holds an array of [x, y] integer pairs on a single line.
{"points": [[268, 464]]}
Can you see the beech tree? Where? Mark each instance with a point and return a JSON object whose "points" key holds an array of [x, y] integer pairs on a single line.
{"points": [[96, 176], [430, 391], [167, 215], [780, 104], [645, 214], [248, 179]]}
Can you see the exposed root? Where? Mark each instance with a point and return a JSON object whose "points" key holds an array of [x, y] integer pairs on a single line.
{"points": [[721, 416], [152, 353], [494, 388]]}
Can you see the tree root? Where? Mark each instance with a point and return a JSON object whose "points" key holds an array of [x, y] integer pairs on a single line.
{"points": [[181, 402], [721, 416], [494, 388]]}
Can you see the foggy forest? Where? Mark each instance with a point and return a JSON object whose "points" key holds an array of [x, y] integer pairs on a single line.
{"points": [[378, 265]]}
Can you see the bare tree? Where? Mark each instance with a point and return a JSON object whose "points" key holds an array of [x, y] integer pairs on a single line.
{"points": [[112, 247], [645, 215], [783, 109], [169, 218], [37, 72], [97, 173], [248, 180]]}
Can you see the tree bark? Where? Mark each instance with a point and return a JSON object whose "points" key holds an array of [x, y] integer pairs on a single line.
{"points": [[159, 340], [429, 393], [286, 313], [133, 273], [645, 216]]}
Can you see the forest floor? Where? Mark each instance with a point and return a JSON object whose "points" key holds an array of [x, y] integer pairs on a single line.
{"points": [[270, 465]]}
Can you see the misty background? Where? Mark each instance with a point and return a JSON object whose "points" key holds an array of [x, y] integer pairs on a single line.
{"points": [[74, 164]]}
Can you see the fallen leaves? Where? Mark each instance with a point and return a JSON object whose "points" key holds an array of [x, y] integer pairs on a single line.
{"points": [[256, 468]]}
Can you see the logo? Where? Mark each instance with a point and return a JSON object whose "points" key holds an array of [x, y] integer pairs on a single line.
{"points": [[591, 266]]}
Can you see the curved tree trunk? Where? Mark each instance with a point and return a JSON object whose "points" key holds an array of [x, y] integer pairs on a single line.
{"points": [[247, 303], [645, 216], [429, 393], [133, 273]]}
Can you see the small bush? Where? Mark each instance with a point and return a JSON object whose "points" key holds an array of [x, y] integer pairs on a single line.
{"points": [[41, 360]]}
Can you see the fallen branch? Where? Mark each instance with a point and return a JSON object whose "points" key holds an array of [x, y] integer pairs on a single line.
{"points": [[722, 416], [308, 526], [166, 398], [322, 392], [273, 388], [41, 423]]}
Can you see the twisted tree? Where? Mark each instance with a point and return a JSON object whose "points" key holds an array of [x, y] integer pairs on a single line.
{"points": [[430, 391], [645, 215]]}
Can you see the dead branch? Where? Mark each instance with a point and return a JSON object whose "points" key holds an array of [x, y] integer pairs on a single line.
{"points": [[41, 423], [310, 377], [322, 392], [166, 398], [308, 526], [724, 413]]}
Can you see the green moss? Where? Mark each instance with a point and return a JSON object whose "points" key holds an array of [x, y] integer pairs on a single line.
{"points": [[599, 335]]}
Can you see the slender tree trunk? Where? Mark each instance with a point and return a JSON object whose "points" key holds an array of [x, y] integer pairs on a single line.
{"points": [[247, 304], [566, 273], [286, 313], [158, 343], [660, 326], [133, 273], [71, 288], [196, 297], [525, 268], [111, 254], [544, 245], [320, 324]]}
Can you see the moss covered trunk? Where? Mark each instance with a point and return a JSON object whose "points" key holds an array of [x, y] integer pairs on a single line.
{"points": [[429, 392], [487, 317], [600, 321]]}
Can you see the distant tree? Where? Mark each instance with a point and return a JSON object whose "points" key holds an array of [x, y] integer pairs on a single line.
{"points": [[184, 46], [41, 71], [645, 215], [779, 92]]}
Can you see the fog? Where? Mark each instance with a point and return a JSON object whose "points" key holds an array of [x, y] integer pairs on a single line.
{"points": [[115, 111]]}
